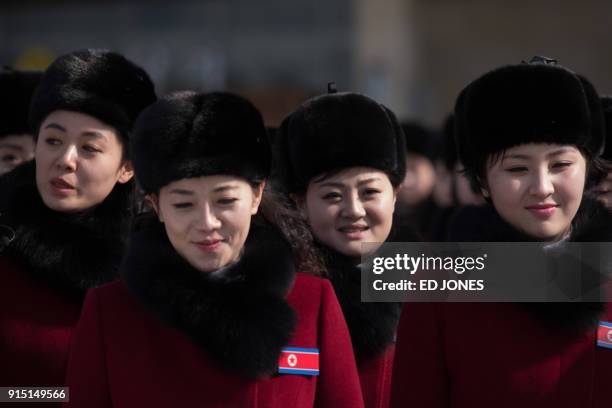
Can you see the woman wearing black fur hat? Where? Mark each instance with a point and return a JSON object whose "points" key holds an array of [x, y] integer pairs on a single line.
{"points": [[65, 215], [211, 311], [528, 135], [16, 140], [341, 157]]}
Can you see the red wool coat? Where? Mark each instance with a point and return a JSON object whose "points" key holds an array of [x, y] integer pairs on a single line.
{"points": [[46, 249], [375, 377], [495, 355], [123, 356], [36, 324], [372, 327]]}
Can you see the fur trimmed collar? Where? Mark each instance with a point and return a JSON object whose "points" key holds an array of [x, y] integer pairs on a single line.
{"points": [[592, 223], [70, 252], [240, 318], [372, 325]]}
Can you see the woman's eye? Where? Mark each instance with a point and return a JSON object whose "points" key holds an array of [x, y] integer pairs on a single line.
{"points": [[91, 149], [371, 191], [517, 169], [182, 205], [562, 165], [9, 158], [227, 201], [52, 141], [332, 196]]}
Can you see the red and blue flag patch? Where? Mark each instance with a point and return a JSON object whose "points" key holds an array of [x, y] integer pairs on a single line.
{"points": [[295, 360], [604, 335]]}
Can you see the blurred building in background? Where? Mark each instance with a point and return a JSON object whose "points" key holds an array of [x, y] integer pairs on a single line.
{"points": [[413, 55]]}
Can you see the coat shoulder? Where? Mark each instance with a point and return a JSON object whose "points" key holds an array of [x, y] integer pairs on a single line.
{"points": [[306, 281], [113, 298], [306, 292], [313, 290], [111, 290]]}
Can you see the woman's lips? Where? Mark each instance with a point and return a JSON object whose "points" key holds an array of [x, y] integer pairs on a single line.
{"points": [[209, 245], [353, 232], [542, 211], [61, 187]]}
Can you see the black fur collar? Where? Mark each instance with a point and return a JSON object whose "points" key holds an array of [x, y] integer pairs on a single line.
{"points": [[372, 325], [592, 223], [241, 319], [70, 252]]}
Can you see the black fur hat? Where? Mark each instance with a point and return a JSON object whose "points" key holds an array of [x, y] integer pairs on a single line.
{"points": [[539, 102], [606, 102], [16, 89], [187, 135], [100, 83], [421, 140], [335, 131]]}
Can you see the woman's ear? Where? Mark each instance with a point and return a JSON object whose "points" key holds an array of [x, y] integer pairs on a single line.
{"points": [[484, 188], [153, 200], [257, 197], [126, 172]]}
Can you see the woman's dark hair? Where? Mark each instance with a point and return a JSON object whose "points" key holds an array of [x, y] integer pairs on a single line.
{"points": [[276, 209], [395, 182]]}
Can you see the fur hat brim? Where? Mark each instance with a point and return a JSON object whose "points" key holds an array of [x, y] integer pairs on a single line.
{"points": [[99, 83], [187, 135], [526, 103], [336, 131]]}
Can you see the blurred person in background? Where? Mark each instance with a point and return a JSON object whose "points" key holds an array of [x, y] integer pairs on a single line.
{"points": [[415, 209], [452, 189], [66, 214], [603, 189], [16, 140]]}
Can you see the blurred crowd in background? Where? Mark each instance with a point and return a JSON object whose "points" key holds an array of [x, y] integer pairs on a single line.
{"points": [[412, 55]]}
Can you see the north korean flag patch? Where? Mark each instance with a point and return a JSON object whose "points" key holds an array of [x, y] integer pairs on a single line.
{"points": [[295, 360], [604, 335]]}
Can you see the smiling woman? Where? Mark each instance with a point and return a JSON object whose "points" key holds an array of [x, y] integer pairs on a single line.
{"points": [[69, 209], [537, 188], [350, 207], [207, 219], [212, 306], [341, 157], [530, 136]]}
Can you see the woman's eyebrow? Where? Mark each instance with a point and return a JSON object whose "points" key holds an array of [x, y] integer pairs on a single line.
{"points": [[55, 126]]}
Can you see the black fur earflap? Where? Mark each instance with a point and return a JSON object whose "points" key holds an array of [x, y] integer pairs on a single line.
{"points": [[100, 83], [336, 131], [16, 89], [526, 103], [189, 135], [237, 315]]}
